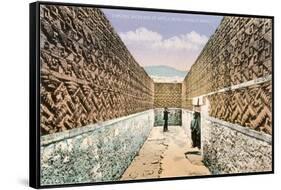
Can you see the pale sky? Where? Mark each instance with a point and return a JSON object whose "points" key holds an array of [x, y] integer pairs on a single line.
{"points": [[157, 38]]}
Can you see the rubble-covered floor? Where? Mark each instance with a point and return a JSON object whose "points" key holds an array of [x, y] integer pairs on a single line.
{"points": [[164, 155]]}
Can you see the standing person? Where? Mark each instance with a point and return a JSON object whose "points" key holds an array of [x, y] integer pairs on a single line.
{"points": [[195, 130], [165, 118]]}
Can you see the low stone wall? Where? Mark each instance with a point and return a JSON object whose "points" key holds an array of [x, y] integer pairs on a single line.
{"points": [[174, 118], [230, 148], [97, 152]]}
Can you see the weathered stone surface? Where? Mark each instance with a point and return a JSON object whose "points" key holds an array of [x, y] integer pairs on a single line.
{"points": [[164, 155], [87, 73], [167, 95], [96, 155], [88, 77], [229, 151], [249, 107], [238, 52]]}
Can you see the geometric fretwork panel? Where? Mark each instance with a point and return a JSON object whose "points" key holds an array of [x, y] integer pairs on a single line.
{"points": [[239, 51], [87, 73], [249, 107], [167, 95]]}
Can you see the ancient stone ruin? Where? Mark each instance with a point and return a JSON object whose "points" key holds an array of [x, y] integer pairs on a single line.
{"points": [[231, 82], [98, 104], [238, 54], [87, 73]]}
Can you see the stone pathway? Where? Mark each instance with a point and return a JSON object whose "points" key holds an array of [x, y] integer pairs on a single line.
{"points": [[164, 155]]}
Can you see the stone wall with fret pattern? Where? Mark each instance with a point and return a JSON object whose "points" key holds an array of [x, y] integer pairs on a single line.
{"points": [[167, 95], [239, 52], [87, 73]]}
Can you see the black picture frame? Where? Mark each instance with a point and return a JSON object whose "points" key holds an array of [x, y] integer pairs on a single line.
{"points": [[34, 93]]}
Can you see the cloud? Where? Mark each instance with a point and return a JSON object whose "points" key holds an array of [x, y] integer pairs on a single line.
{"points": [[191, 41], [164, 79], [150, 48], [141, 35]]}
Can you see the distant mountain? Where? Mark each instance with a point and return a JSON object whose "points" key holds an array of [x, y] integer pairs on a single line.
{"points": [[164, 71]]}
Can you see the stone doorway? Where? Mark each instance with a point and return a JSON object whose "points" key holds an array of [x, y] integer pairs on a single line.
{"points": [[175, 117]]}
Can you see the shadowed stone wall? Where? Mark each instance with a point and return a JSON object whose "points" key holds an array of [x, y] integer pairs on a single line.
{"points": [[231, 82], [87, 73]]}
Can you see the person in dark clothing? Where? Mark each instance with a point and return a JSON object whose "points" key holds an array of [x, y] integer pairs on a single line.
{"points": [[165, 118], [195, 130]]}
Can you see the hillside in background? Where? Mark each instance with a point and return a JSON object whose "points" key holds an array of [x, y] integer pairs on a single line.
{"points": [[163, 73]]}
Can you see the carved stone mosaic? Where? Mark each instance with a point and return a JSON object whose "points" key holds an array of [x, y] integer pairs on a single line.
{"points": [[250, 107], [167, 95], [239, 51], [87, 73]]}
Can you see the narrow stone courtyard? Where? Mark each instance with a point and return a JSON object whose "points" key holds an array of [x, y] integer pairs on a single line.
{"points": [[101, 96], [164, 155]]}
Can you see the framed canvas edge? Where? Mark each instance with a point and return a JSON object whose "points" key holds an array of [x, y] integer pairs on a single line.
{"points": [[34, 97], [34, 94]]}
